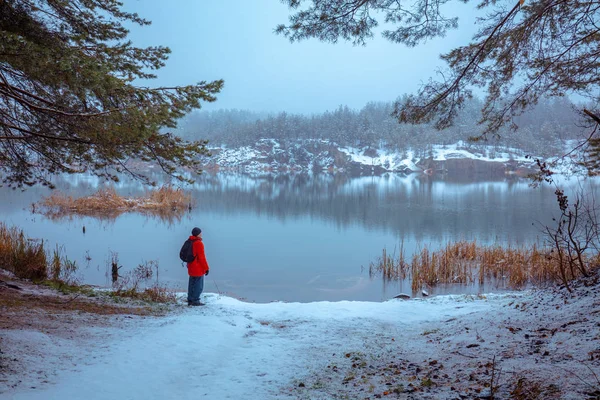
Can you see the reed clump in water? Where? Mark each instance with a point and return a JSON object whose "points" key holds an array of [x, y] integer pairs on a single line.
{"points": [[516, 267], [468, 263], [166, 200], [452, 264], [390, 266]]}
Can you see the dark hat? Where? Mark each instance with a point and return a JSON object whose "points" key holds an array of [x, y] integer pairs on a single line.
{"points": [[196, 231]]}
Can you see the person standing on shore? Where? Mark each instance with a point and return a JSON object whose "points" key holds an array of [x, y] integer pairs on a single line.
{"points": [[197, 269]]}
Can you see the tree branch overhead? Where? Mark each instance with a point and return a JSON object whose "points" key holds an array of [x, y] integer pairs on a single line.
{"points": [[67, 96]]}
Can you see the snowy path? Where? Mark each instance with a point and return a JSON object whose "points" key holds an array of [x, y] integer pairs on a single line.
{"points": [[235, 350]]}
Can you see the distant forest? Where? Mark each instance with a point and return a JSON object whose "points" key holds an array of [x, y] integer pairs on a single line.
{"points": [[540, 131]]}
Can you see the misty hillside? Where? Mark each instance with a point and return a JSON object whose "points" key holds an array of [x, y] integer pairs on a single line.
{"points": [[542, 131]]}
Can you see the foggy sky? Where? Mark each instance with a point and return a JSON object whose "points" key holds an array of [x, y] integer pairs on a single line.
{"points": [[234, 40]]}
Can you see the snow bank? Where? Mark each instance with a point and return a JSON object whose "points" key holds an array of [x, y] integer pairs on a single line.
{"points": [[234, 350], [442, 347]]}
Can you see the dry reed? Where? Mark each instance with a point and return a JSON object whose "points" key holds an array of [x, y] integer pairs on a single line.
{"points": [[24, 257], [390, 266], [468, 263], [449, 265], [165, 201]]}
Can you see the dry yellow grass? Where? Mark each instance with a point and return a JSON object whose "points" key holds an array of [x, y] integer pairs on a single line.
{"points": [[164, 201], [24, 257], [389, 266], [467, 263], [451, 264]]}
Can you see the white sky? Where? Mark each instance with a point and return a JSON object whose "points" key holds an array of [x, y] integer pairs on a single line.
{"points": [[234, 40]]}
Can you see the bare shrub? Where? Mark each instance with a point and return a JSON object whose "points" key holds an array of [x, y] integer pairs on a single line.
{"points": [[528, 389], [158, 294], [574, 241]]}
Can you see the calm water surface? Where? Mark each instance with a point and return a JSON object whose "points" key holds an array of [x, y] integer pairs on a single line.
{"points": [[293, 238]]}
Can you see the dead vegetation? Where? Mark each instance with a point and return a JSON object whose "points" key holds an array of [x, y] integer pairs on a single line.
{"points": [[390, 266], [133, 283], [164, 202], [468, 263], [571, 249], [24, 257], [27, 258]]}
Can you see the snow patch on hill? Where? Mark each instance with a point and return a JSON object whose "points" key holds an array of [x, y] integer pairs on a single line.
{"points": [[310, 155]]}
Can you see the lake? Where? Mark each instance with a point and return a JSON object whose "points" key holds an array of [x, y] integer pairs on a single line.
{"points": [[293, 237]]}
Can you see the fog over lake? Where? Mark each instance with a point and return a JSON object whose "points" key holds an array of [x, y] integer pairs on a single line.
{"points": [[294, 237]]}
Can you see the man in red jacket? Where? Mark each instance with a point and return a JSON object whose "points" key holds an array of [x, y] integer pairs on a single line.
{"points": [[197, 269]]}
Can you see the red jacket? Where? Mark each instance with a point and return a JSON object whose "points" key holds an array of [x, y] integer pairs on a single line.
{"points": [[199, 266]]}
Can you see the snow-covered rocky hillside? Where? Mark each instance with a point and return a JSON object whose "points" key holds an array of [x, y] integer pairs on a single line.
{"points": [[322, 155]]}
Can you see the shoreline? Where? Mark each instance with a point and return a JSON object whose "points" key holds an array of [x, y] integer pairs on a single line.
{"points": [[524, 341], [34, 316]]}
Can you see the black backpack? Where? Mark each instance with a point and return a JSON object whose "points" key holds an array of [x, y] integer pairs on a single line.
{"points": [[186, 254]]}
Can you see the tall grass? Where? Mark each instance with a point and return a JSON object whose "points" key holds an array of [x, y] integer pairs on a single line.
{"points": [[24, 257], [164, 201], [389, 265], [61, 268], [28, 259], [468, 263]]}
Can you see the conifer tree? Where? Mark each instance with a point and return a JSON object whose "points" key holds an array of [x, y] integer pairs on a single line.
{"points": [[70, 98]]}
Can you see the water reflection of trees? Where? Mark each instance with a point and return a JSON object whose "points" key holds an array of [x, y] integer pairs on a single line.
{"points": [[405, 206]]}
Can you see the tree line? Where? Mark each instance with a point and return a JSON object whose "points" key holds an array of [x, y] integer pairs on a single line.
{"points": [[542, 131]]}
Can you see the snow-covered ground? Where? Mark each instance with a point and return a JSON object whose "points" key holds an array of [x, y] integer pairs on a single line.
{"points": [[447, 347]]}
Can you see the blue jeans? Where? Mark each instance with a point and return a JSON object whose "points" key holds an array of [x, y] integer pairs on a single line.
{"points": [[195, 287]]}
